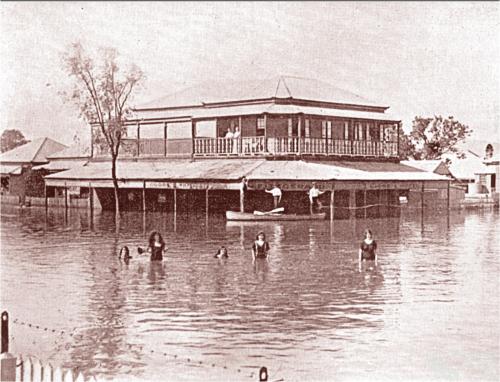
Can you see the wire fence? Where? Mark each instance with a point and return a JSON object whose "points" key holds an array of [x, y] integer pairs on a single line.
{"points": [[29, 368]]}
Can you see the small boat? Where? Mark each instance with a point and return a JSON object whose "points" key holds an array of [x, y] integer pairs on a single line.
{"points": [[263, 216]]}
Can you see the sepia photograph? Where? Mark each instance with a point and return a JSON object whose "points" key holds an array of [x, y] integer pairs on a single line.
{"points": [[249, 191]]}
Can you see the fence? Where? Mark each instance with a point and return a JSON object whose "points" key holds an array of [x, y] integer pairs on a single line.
{"points": [[31, 369]]}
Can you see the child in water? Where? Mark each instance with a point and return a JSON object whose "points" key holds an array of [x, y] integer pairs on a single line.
{"points": [[367, 249], [156, 246], [124, 253], [221, 253], [260, 247]]}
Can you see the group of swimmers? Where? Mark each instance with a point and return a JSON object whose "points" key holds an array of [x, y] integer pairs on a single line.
{"points": [[260, 248]]}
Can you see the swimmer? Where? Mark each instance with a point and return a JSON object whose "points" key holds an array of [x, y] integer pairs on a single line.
{"points": [[260, 247], [368, 248], [221, 253], [124, 253]]}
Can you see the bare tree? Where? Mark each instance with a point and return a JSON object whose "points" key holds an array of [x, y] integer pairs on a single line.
{"points": [[103, 96]]}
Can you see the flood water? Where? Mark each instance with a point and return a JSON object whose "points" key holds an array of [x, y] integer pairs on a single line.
{"points": [[428, 311]]}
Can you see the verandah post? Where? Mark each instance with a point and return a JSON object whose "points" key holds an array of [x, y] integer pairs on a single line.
{"points": [[332, 203], [65, 197], [144, 196], [46, 198]]}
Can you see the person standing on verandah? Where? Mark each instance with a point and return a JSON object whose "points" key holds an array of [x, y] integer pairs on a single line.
{"points": [[314, 194], [276, 192]]}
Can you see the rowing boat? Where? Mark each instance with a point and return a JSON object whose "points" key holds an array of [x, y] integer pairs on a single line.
{"points": [[247, 216]]}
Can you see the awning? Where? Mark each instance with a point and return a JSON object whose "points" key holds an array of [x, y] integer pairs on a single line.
{"points": [[340, 170], [60, 165], [11, 169], [215, 174]]}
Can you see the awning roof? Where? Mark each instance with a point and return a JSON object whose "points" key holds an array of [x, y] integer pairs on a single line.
{"points": [[232, 170], [10, 169], [340, 170], [217, 170], [59, 165]]}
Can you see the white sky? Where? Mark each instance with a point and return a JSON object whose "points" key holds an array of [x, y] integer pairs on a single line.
{"points": [[419, 58]]}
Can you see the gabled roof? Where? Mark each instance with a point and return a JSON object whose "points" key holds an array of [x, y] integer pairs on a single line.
{"points": [[35, 151], [73, 151], [277, 87], [435, 165]]}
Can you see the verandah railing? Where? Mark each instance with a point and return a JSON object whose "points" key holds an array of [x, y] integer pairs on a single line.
{"points": [[254, 146], [291, 145]]}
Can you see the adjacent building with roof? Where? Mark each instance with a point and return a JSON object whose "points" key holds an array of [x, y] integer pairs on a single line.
{"points": [[195, 146], [18, 177]]}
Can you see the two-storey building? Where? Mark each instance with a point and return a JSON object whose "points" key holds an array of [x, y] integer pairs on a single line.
{"points": [[192, 149]]}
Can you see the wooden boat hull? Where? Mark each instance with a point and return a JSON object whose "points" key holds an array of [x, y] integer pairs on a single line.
{"points": [[246, 216]]}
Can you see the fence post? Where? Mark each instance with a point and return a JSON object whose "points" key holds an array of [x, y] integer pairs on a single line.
{"points": [[7, 360], [263, 376]]}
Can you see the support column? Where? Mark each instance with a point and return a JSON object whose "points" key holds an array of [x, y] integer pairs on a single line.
{"points": [[175, 200], [299, 127], [242, 200], [138, 138], [46, 198], [352, 203], [364, 201], [206, 200], [422, 196], [91, 205], [332, 204], [65, 197], [165, 139], [448, 197], [144, 196]]}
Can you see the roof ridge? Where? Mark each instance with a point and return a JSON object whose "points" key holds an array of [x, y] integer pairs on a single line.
{"points": [[39, 148]]}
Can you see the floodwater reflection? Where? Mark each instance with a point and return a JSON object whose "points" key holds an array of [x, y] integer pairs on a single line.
{"points": [[307, 313]]}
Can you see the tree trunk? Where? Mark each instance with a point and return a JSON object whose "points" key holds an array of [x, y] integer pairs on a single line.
{"points": [[115, 186]]}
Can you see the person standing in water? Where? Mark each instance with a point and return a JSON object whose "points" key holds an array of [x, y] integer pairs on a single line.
{"points": [[260, 247], [314, 194], [156, 246], [276, 192], [368, 248]]}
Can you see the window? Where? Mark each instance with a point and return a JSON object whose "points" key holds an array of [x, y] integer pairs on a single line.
{"points": [[369, 131], [206, 129], [358, 131], [261, 126], [156, 130], [329, 129], [179, 130], [307, 128], [346, 130], [323, 129]]}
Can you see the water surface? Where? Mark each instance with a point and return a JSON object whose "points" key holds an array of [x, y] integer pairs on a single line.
{"points": [[428, 311]]}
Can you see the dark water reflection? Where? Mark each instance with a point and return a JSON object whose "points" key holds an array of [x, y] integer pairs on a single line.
{"points": [[429, 310]]}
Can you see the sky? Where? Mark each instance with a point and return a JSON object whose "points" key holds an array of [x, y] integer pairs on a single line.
{"points": [[422, 59]]}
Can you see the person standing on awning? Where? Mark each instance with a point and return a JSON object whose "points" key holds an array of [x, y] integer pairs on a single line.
{"points": [[276, 192], [314, 194]]}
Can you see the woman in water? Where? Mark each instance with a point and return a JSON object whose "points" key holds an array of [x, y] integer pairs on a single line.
{"points": [[221, 253], [368, 248], [156, 246], [260, 247]]}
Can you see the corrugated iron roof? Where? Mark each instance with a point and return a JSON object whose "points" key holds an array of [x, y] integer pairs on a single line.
{"points": [[260, 108], [35, 151], [12, 169], [73, 151], [276, 87], [221, 170], [339, 170], [257, 169], [60, 165]]}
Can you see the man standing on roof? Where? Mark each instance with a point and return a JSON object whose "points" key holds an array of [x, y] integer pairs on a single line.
{"points": [[276, 192], [314, 194]]}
